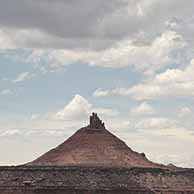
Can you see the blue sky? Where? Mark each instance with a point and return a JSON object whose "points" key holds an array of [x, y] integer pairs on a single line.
{"points": [[44, 92], [130, 61]]}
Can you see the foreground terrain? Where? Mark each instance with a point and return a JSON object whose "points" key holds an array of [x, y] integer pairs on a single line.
{"points": [[91, 180]]}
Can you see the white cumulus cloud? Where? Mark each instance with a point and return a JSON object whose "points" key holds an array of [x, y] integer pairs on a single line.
{"points": [[22, 77], [143, 109], [171, 83], [6, 92]]}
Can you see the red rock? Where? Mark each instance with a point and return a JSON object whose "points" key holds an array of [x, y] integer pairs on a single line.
{"points": [[94, 145]]}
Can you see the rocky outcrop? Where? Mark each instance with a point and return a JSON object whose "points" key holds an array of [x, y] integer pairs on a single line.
{"points": [[94, 145], [95, 122]]}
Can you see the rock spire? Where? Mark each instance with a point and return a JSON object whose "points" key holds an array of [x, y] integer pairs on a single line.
{"points": [[95, 122]]}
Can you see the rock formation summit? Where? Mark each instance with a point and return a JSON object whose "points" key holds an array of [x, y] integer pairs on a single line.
{"points": [[94, 145]]}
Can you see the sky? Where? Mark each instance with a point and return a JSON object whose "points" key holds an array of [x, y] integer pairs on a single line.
{"points": [[131, 61]]}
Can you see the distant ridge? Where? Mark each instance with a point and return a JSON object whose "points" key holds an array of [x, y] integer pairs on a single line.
{"points": [[94, 145]]}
